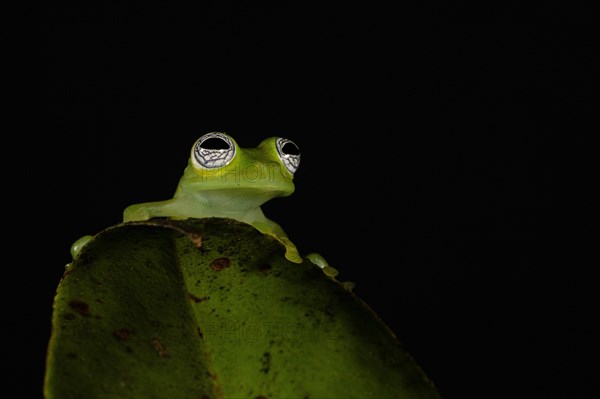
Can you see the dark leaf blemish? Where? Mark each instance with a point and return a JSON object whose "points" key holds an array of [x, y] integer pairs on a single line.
{"points": [[219, 264], [266, 362], [80, 307], [196, 299], [265, 267], [123, 334], [160, 348]]}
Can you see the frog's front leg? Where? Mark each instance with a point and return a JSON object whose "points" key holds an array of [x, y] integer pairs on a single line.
{"points": [[267, 226], [149, 210]]}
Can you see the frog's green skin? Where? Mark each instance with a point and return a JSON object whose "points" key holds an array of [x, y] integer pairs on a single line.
{"points": [[224, 180]]}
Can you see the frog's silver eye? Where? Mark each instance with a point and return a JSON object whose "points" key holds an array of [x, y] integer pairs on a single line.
{"points": [[289, 153], [213, 150]]}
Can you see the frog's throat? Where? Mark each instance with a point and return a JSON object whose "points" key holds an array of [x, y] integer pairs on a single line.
{"points": [[226, 201]]}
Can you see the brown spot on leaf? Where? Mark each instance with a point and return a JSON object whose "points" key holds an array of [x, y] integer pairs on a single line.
{"points": [[80, 307], [219, 264], [123, 334], [218, 388], [200, 332], [265, 267], [160, 348], [196, 239], [197, 299]]}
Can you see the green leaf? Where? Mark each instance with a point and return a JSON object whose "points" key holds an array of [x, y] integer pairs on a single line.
{"points": [[210, 308]]}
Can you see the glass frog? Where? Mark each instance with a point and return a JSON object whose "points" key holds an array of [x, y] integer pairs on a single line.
{"points": [[224, 180]]}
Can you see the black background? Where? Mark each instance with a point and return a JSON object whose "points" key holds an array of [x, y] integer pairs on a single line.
{"points": [[428, 172]]}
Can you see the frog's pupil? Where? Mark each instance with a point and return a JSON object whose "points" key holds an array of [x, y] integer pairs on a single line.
{"points": [[215, 143], [290, 149]]}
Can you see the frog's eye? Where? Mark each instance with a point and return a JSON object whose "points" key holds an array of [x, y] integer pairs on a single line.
{"points": [[213, 150], [289, 154]]}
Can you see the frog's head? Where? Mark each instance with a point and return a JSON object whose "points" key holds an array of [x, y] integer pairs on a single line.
{"points": [[218, 167]]}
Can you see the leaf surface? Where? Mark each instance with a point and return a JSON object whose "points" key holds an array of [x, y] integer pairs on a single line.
{"points": [[210, 308]]}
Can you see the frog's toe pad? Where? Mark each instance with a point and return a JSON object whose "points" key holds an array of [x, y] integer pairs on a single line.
{"points": [[135, 213]]}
